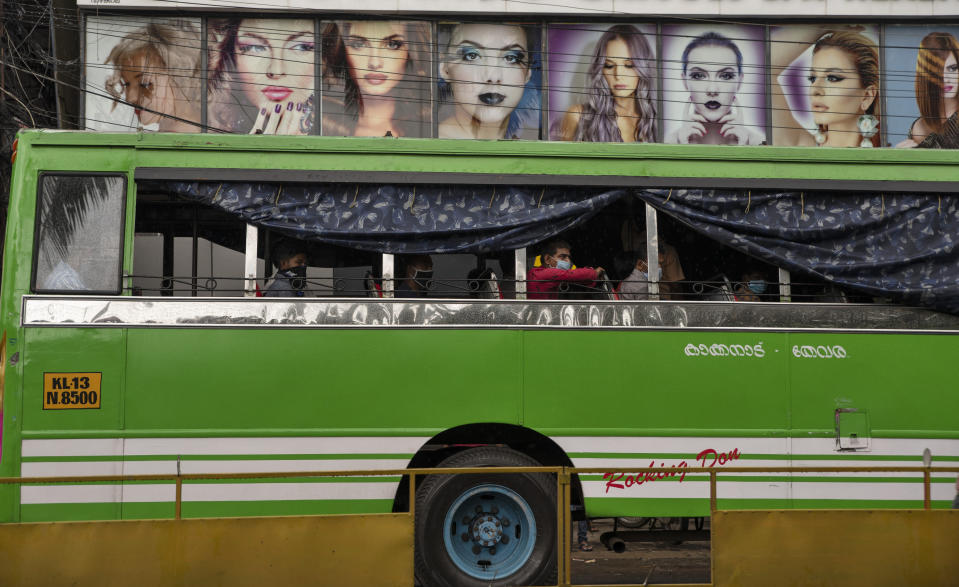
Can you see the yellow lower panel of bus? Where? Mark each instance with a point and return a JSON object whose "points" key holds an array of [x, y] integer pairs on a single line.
{"points": [[848, 547], [310, 550]]}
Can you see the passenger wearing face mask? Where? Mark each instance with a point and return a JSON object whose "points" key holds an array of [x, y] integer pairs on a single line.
{"points": [[542, 283], [636, 285], [752, 288], [419, 277], [290, 278]]}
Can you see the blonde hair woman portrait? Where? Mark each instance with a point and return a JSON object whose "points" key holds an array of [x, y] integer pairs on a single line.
{"points": [[837, 102], [377, 76], [156, 70]]}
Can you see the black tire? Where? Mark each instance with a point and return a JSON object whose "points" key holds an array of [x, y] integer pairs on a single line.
{"points": [[435, 566], [633, 523]]}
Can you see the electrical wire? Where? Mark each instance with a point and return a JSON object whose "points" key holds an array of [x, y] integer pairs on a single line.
{"points": [[568, 90]]}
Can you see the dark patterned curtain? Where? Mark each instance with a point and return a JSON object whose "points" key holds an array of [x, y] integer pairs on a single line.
{"points": [[405, 219], [902, 246]]}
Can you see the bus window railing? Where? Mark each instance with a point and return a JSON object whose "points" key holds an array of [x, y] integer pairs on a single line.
{"points": [[716, 288]]}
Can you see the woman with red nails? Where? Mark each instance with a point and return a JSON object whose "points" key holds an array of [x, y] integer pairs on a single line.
{"points": [[261, 75]]}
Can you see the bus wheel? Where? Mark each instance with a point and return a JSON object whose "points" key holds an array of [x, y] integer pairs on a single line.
{"points": [[486, 530]]}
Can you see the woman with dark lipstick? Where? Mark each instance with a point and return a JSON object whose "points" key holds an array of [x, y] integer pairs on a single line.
{"points": [[621, 78], [157, 71], [378, 75], [486, 70], [712, 74], [937, 94], [261, 75]]}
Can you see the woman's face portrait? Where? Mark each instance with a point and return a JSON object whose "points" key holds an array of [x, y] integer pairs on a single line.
{"points": [[712, 78], [618, 70], [950, 77], [144, 87], [377, 53], [274, 61], [835, 89], [487, 67]]}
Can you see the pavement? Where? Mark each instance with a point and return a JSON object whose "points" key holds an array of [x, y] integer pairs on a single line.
{"points": [[652, 562]]}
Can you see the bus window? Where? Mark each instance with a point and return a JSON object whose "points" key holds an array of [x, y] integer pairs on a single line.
{"points": [[79, 234], [181, 248], [449, 276]]}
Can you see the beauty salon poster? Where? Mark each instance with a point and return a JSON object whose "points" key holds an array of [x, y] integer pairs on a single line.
{"points": [[143, 74], [921, 86], [261, 73], [603, 82], [714, 84], [377, 78], [825, 78], [489, 85]]}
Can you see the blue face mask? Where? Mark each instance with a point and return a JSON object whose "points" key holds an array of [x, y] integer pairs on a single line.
{"points": [[564, 264], [645, 275], [757, 286]]}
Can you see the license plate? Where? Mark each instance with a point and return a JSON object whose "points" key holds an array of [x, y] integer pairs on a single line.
{"points": [[71, 391]]}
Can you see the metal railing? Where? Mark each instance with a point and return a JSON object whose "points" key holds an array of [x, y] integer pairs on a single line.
{"points": [[564, 476]]}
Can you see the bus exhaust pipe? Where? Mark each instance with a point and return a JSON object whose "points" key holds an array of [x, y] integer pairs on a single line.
{"points": [[613, 542]]}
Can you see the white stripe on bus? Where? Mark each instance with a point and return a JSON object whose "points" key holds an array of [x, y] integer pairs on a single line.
{"points": [[669, 444], [753, 446], [627, 464], [145, 493], [78, 447], [909, 447], [92, 468], [781, 491]]}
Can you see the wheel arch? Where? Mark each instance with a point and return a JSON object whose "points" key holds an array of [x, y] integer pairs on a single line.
{"points": [[519, 438]]}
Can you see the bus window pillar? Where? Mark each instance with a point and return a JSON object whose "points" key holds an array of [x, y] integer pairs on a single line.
{"points": [[166, 287], [249, 261], [785, 286], [520, 272], [652, 251], [388, 272]]}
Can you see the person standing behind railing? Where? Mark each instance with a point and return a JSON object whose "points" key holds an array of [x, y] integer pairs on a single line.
{"points": [[543, 282]]}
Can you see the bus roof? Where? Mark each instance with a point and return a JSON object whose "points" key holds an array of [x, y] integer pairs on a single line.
{"points": [[196, 157]]}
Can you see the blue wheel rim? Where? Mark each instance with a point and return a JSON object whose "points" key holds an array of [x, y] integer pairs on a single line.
{"points": [[480, 519]]}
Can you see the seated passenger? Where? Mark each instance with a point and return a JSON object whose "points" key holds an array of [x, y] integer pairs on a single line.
{"points": [[633, 238], [289, 257], [751, 288], [419, 277], [543, 282], [635, 286]]}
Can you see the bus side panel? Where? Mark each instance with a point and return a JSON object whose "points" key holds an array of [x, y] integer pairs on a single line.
{"points": [[70, 439], [890, 394], [642, 398], [305, 396], [320, 381]]}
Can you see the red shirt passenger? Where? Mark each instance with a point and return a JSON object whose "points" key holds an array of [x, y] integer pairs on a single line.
{"points": [[542, 283]]}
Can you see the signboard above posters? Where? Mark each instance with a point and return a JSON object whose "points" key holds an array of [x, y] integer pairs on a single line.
{"points": [[593, 8]]}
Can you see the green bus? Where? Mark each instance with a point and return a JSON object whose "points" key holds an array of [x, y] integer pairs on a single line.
{"points": [[135, 341]]}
